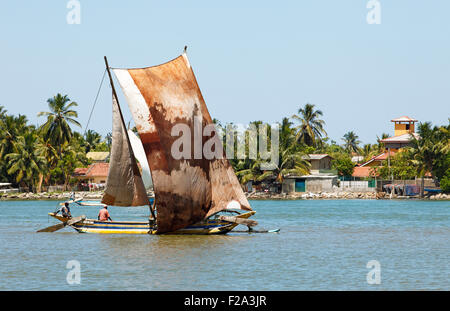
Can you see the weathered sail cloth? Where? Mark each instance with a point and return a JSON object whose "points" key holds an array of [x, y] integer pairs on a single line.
{"points": [[188, 189], [140, 155], [124, 186]]}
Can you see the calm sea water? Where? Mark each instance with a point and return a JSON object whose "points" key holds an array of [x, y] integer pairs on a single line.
{"points": [[323, 245]]}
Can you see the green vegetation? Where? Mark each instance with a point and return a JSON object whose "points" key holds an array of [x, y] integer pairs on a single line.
{"points": [[427, 156], [310, 130], [351, 142], [401, 167], [34, 158], [430, 153], [445, 182], [343, 164]]}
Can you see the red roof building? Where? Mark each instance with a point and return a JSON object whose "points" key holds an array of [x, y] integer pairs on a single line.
{"points": [[403, 134], [95, 173], [378, 160], [80, 171], [363, 172]]}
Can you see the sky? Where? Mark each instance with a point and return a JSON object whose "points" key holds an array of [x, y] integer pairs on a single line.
{"points": [[254, 60]]}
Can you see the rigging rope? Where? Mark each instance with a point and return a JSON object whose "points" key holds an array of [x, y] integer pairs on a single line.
{"points": [[95, 101]]}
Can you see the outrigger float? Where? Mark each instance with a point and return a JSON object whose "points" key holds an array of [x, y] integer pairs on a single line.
{"points": [[194, 193]]}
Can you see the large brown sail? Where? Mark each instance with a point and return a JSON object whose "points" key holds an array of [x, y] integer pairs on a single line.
{"points": [[187, 189], [124, 186]]}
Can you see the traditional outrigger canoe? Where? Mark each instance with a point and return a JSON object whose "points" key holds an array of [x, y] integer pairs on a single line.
{"points": [[191, 190], [213, 225]]}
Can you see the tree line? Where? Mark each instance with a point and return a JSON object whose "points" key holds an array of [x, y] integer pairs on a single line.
{"points": [[32, 157], [304, 133]]}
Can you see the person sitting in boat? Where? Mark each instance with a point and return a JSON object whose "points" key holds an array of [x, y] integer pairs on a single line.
{"points": [[65, 210], [103, 215]]}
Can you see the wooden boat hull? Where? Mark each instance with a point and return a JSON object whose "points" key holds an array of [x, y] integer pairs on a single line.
{"points": [[209, 226]]}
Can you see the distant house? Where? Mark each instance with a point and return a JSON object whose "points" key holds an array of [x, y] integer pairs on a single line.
{"points": [[319, 162], [320, 179], [404, 131], [403, 134], [404, 125], [96, 173], [98, 156], [309, 183], [397, 142], [378, 159]]}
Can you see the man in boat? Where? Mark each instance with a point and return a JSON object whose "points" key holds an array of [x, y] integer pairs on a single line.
{"points": [[103, 215], [65, 210]]}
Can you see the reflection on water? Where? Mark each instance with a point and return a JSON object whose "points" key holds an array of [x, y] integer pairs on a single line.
{"points": [[323, 245]]}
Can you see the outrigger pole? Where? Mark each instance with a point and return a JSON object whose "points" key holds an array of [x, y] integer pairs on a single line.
{"points": [[69, 222], [123, 121]]}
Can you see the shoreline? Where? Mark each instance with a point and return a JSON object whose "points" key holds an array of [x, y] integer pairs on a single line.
{"points": [[341, 195], [56, 196]]}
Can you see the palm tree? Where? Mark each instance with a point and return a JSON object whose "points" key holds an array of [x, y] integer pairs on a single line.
{"points": [[51, 156], [351, 142], [287, 135], [290, 162], [2, 111], [57, 128], [369, 150], [311, 129], [27, 162], [92, 139], [11, 127], [73, 158], [441, 165], [108, 139], [427, 150], [381, 145], [246, 172]]}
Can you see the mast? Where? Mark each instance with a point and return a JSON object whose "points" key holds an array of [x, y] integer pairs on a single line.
{"points": [[123, 123]]}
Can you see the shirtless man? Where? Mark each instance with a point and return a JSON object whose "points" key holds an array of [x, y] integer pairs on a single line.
{"points": [[103, 215]]}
